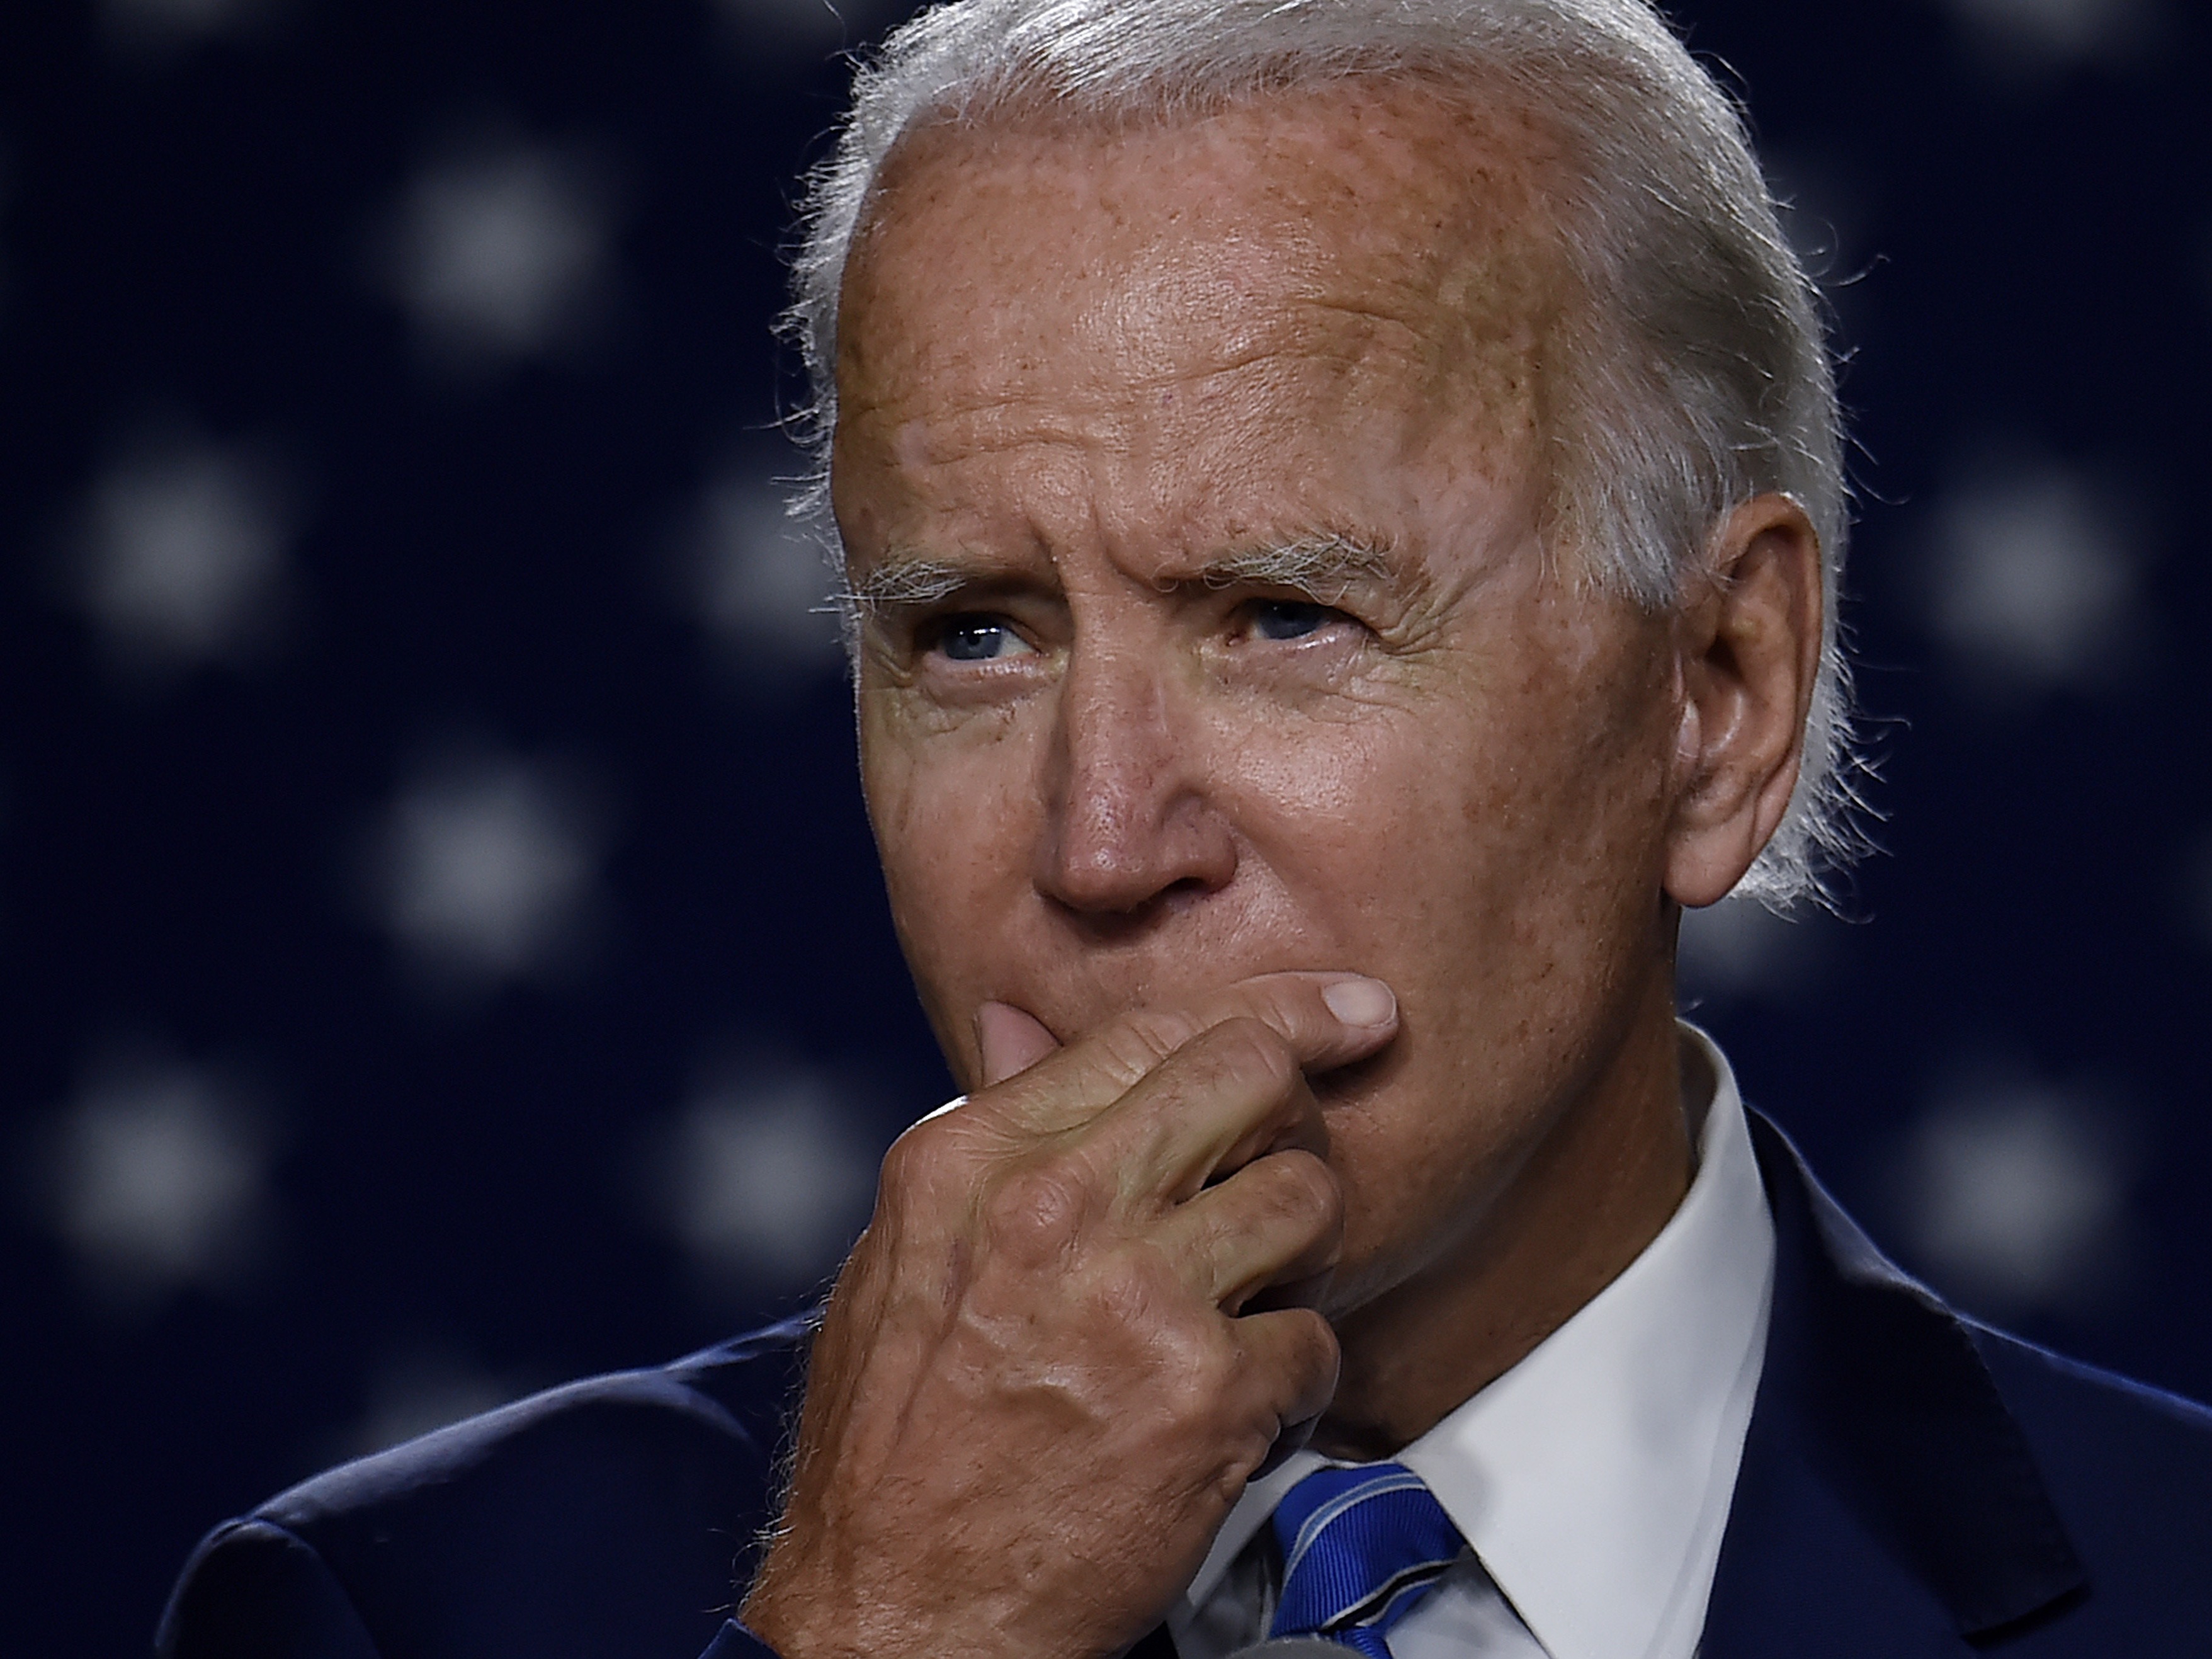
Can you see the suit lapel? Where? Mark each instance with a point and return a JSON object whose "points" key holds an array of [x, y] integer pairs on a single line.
{"points": [[1886, 1501]]}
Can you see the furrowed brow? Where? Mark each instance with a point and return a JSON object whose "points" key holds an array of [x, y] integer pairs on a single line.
{"points": [[1324, 568]]}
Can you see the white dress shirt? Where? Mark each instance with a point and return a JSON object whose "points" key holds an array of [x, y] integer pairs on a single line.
{"points": [[1593, 1479]]}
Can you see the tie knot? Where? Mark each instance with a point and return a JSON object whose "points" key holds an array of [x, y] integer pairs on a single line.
{"points": [[1360, 1546]]}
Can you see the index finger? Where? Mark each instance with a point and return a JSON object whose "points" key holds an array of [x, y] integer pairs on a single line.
{"points": [[1327, 1019]]}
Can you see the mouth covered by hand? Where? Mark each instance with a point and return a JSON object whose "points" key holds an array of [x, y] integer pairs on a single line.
{"points": [[1078, 1322]]}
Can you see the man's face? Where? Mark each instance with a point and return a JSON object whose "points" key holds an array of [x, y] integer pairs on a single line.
{"points": [[1116, 751]]}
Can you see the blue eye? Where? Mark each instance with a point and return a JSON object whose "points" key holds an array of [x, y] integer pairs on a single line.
{"points": [[978, 639], [1289, 619]]}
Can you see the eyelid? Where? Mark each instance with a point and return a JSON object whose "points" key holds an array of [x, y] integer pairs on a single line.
{"points": [[937, 619], [1335, 610], [930, 630], [1332, 596]]}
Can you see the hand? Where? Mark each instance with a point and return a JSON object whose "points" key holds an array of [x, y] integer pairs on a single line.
{"points": [[1036, 1392]]}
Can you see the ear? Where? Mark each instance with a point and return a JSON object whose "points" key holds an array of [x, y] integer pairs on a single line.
{"points": [[1747, 645]]}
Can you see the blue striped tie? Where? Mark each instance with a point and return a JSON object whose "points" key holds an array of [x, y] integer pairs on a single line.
{"points": [[1360, 1546]]}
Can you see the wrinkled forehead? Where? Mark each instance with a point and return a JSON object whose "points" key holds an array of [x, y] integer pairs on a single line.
{"points": [[1400, 233]]}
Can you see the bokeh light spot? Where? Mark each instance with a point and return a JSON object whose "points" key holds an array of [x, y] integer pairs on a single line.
{"points": [[180, 558], [155, 1177], [763, 1179], [485, 869]]}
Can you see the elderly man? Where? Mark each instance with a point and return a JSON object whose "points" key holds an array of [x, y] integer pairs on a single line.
{"points": [[1341, 510]]}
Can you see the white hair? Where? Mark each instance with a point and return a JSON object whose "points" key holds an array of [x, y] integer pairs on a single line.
{"points": [[1696, 374]]}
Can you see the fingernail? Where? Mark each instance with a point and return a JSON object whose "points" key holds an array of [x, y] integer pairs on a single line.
{"points": [[1360, 1002]]}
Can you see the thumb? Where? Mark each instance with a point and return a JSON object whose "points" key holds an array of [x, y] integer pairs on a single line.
{"points": [[1009, 1040]]}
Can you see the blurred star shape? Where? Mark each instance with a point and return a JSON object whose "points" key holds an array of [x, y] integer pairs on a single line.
{"points": [[2015, 1196], [2042, 34], [2031, 579], [155, 24], [156, 1178], [180, 558], [485, 869], [759, 581], [500, 251], [765, 1178]]}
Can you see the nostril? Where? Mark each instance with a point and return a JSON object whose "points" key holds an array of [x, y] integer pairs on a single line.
{"points": [[1186, 891], [1135, 857], [1125, 920]]}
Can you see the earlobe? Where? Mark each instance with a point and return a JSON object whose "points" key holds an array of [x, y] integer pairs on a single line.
{"points": [[1751, 642]]}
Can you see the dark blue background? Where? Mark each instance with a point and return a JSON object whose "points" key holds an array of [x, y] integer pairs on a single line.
{"points": [[2025, 283]]}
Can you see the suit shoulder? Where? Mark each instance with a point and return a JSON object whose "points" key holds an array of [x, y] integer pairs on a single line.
{"points": [[254, 1591], [2060, 1400], [729, 1400], [609, 1515], [2129, 1470]]}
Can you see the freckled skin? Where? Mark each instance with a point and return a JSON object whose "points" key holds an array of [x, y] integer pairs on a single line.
{"points": [[1082, 369], [1256, 330]]}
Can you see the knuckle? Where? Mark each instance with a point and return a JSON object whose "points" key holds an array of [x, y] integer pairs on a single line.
{"points": [[1304, 1186], [1134, 1288], [1250, 1048], [1133, 1045], [1034, 1212], [1287, 1004], [899, 1175], [910, 1166], [1260, 1202], [1313, 1348], [1210, 1378], [1197, 1372]]}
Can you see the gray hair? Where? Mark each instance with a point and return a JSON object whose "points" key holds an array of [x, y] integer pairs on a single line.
{"points": [[1698, 376]]}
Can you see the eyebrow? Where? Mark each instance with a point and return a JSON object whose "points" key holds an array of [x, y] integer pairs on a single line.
{"points": [[1324, 567], [904, 581]]}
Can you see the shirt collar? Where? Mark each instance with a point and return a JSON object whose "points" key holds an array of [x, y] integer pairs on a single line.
{"points": [[1594, 1478]]}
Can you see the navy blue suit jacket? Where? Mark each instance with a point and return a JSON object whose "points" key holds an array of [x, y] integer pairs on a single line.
{"points": [[1912, 1484]]}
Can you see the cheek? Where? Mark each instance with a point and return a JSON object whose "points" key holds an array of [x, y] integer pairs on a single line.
{"points": [[1373, 804], [955, 816], [1333, 788]]}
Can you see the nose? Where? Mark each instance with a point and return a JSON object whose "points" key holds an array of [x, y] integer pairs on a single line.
{"points": [[1131, 817]]}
